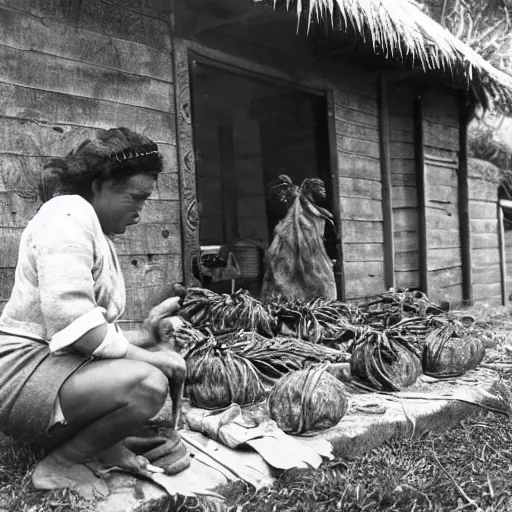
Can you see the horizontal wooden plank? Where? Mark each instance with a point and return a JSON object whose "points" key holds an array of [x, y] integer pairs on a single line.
{"points": [[362, 270], [362, 232], [443, 258], [401, 150], [360, 209], [487, 291], [440, 153], [167, 186], [148, 281], [482, 209], [484, 240], [404, 197], [405, 219], [437, 176], [357, 146], [441, 219], [485, 274], [57, 109], [25, 137], [143, 238], [356, 187], [404, 136], [483, 225], [357, 131], [351, 166], [355, 101], [31, 33], [403, 166], [158, 211], [141, 271], [152, 8], [482, 190], [102, 17], [407, 260], [445, 277], [451, 294], [448, 238], [442, 195], [363, 288], [487, 256], [363, 252], [441, 136], [403, 180], [39, 71], [402, 122], [348, 115], [407, 279], [406, 241]]}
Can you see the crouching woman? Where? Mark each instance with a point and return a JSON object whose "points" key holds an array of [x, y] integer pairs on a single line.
{"points": [[70, 381]]}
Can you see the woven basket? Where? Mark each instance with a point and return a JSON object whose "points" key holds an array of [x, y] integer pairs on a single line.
{"points": [[248, 256]]}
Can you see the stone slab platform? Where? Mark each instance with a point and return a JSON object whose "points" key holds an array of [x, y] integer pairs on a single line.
{"points": [[427, 406]]}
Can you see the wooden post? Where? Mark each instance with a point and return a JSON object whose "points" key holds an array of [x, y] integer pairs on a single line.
{"points": [[419, 162], [503, 258], [463, 200], [186, 162], [336, 209], [385, 167]]}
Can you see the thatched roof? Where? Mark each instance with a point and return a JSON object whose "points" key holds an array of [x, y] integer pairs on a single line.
{"points": [[399, 28]]}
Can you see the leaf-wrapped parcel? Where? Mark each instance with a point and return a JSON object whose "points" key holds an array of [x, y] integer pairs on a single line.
{"points": [[218, 377], [450, 352], [384, 360], [307, 400]]}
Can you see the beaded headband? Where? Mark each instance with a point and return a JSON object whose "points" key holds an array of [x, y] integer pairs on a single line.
{"points": [[134, 152]]}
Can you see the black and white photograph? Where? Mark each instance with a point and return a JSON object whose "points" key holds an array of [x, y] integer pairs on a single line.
{"points": [[255, 255]]}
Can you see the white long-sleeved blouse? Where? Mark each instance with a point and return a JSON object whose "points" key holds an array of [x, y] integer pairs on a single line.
{"points": [[68, 279]]}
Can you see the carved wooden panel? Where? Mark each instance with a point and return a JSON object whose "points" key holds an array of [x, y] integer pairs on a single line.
{"points": [[186, 161]]}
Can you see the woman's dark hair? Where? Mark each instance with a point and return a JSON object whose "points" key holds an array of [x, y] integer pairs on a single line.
{"points": [[115, 154]]}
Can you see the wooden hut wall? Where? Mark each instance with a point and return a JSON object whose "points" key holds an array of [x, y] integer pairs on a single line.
{"points": [[404, 190], [441, 136], [360, 187], [68, 68], [483, 196]]}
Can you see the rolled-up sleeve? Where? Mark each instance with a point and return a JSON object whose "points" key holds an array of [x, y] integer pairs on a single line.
{"points": [[64, 258]]}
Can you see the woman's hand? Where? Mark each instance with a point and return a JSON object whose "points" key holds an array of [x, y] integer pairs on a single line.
{"points": [[173, 367], [168, 307]]}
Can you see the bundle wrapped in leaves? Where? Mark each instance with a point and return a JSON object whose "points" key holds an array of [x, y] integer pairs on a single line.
{"points": [[180, 335], [296, 263], [276, 357], [320, 320], [392, 307], [218, 377], [450, 351], [220, 313], [385, 360], [307, 400]]}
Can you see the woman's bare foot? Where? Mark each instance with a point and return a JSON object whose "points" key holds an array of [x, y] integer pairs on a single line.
{"points": [[57, 473], [120, 456]]}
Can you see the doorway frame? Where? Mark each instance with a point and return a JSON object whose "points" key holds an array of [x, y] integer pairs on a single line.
{"points": [[186, 54]]}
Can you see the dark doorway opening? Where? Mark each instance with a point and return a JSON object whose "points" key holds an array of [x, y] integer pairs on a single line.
{"points": [[248, 131]]}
